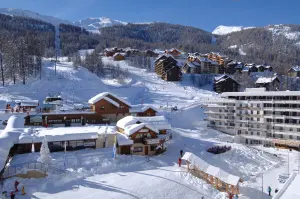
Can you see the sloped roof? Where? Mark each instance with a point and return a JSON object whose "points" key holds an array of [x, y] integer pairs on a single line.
{"points": [[158, 122], [265, 80], [295, 68], [210, 169], [104, 95], [131, 129], [141, 108]]}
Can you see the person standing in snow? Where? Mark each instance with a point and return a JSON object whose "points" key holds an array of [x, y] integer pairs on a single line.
{"points": [[16, 185], [181, 153], [269, 190], [179, 162], [12, 195]]}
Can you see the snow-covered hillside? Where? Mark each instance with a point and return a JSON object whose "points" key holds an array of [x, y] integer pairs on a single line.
{"points": [[223, 30], [284, 30], [27, 13], [93, 24]]}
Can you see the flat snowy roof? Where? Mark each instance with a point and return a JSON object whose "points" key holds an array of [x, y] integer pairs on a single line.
{"points": [[30, 135], [158, 122], [261, 93]]}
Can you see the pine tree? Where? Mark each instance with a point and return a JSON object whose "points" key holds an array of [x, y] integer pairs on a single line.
{"points": [[45, 157]]}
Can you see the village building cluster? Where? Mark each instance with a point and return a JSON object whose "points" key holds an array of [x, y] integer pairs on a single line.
{"points": [[108, 121]]}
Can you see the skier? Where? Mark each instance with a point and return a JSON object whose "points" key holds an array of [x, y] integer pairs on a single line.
{"points": [[269, 190], [179, 162], [181, 153], [276, 190], [236, 196], [12, 195], [16, 185], [230, 196]]}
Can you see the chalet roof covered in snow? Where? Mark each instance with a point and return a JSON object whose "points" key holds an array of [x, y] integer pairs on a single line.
{"points": [[210, 169], [131, 129], [104, 96], [123, 140], [141, 108], [223, 78], [158, 122], [10, 136], [30, 135], [265, 80], [295, 68]]}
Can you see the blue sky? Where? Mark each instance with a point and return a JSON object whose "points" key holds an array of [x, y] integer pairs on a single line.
{"points": [[205, 14]]}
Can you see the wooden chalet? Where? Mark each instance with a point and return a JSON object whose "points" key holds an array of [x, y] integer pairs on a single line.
{"points": [[174, 52], [215, 176], [294, 71], [270, 83], [233, 67], [119, 56], [167, 69], [225, 83], [142, 135], [104, 108], [219, 58], [140, 110], [150, 53], [192, 67]]}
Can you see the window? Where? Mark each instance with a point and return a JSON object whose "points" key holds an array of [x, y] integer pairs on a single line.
{"points": [[290, 137], [258, 119], [148, 135], [258, 133], [138, 149], [102, 108], [152, 148], [251, 133]]}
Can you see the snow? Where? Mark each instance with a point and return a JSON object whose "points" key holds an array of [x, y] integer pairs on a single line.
{"points": [[123, 140], [141, 108], [94, 24], [34, 15], [131, 129], [292, 190], [158, 122], [83, 52], [104, 95], [264, 80], [233, 46], [9, 136], [93, 173], [224, 30], [28, 102], [278, 30], [295, 68], [241, 52], [211, 170], [59, 134]]}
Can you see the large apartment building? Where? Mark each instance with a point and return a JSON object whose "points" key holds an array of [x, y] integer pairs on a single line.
{"points": [[257, 116]]}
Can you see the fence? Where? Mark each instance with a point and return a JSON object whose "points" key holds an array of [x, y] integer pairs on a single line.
{"points": [[285, 186], [21, 168]]}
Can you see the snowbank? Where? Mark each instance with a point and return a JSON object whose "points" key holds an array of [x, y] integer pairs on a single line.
{"points": [[10, 136]]}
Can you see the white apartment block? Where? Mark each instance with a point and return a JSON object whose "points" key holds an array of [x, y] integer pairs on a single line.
{"points": [[257, 116]]}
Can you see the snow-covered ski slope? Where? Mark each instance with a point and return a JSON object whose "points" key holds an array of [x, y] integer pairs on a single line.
{"points": [[93, 173], [80, 85]]}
